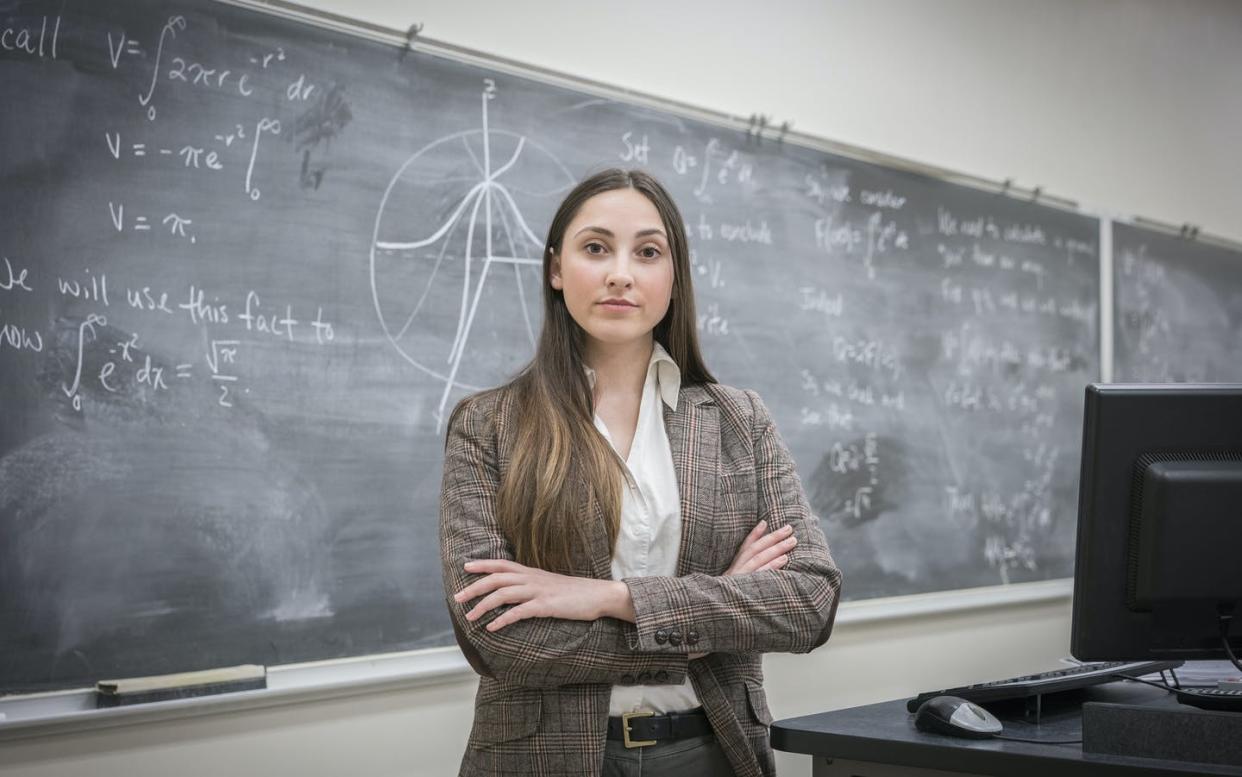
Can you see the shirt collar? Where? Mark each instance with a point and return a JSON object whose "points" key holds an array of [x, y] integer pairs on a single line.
{"points": [[667, 375]]}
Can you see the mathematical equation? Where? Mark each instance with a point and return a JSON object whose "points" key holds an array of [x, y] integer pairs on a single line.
{"points": [[127, 363], [263, 79]]}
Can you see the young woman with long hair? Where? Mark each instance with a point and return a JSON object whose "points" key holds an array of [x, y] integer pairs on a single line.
{"points": [[622, 537]]}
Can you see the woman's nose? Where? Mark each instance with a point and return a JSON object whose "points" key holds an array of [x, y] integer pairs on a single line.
{"points": [[620, 276]]}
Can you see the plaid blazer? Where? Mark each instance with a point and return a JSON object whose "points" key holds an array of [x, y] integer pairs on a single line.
{"points": [[542, 702]]}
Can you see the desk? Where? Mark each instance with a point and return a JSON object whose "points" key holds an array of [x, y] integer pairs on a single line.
{"points": [[880, 740]]}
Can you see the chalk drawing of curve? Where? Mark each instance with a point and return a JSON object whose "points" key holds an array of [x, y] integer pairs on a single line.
{"points": [[456, 267]]}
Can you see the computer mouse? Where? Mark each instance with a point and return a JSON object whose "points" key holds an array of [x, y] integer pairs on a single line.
{"points": [[957, 718]]}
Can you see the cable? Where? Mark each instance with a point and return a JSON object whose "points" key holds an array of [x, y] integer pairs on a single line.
{"points": [[1079, 741], [1164, 686], [1225, 621]]}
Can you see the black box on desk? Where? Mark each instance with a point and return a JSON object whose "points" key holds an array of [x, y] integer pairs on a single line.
{"points": [[1178, 733]]}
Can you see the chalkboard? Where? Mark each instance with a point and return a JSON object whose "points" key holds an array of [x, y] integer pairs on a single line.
{"points": [[1177, 308], [249, 264]]}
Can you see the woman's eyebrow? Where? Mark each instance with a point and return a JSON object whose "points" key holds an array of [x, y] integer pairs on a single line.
{"points": [[601, 230], [608, 232]]}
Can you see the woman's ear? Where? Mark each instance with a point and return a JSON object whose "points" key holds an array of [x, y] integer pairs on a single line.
{"points": [[555, 273]]}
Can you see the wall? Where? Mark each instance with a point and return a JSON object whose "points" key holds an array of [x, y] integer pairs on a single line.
{"points": [[1128, 106]]}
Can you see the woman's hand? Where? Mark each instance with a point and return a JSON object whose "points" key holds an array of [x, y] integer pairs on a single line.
{"points": [[535, 593], [760, 551]]}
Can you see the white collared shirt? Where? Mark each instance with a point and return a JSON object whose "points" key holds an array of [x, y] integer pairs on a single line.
{"points": [[650, 536]]}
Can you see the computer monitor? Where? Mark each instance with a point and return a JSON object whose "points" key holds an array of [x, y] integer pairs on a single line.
{"points": [[1159, 557]]}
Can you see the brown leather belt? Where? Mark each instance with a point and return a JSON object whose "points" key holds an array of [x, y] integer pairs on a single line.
{"points": [[639, 729]]}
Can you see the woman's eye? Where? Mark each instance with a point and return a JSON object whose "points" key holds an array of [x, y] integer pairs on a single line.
{"points": [[594, 248], [650, 252]]}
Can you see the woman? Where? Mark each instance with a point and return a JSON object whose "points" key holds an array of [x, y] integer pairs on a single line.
{"points": [[623, 537]]}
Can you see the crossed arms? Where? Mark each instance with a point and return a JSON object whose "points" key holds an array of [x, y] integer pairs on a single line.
{"points": [[533, 628]]}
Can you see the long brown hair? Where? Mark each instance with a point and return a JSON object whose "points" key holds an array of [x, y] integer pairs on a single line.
{"points": [[561, 465]]}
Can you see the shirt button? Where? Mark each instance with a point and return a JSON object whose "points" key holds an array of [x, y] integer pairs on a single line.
{"points": [[674, 638], [661, 636], [661, 676], [644, 677], [627, 679], [692, 637]]}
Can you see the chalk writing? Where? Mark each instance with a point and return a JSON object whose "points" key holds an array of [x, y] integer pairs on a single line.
{"points": [[635, 151], [124, 45], [18, 338], [14, 279], [818, 300], [41, 44], [169, 32], [711, 322]]}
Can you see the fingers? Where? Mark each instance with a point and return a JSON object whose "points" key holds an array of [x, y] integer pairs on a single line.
{"points": [[763, 543], [521, 612], [750, 544], [745, 557], [771, 553], [776, 563], [484, 565], [507, 595], [486, 584], [743, 551]]}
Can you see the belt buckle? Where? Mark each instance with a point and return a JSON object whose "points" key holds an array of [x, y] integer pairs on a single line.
{"points": [[625, 728]]}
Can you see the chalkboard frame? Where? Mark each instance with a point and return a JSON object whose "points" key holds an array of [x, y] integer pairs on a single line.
{"points": [[43, 713]]}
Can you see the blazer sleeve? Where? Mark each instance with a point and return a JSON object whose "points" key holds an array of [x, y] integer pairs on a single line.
{"points": [[535, 651], [791, 609]]}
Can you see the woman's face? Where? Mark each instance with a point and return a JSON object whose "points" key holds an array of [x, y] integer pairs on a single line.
{"points": [[614, 268]]}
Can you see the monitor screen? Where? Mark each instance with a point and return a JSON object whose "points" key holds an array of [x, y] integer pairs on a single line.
{"points": [[1158, 569]]}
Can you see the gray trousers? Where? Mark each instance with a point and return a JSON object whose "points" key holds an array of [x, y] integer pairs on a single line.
{"points": [[689, 757]]}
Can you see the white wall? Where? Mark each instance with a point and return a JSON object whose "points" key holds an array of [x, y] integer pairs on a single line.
{"points": [[1134, 106]]}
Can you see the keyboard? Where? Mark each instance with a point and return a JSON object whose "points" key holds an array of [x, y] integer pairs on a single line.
{"points": [[1067, 679], [1229, 700]]}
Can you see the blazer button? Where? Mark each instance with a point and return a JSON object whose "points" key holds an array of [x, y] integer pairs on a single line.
{"points": [[674, 638], [692, 637], [627, 679], [661, 636], [644, 677], [661, 676]]}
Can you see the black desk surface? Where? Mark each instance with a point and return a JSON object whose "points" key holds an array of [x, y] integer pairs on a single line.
{"points": [[885, 733]]}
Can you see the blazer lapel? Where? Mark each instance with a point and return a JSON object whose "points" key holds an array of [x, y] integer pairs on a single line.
{"points": [[600, 563], [694, 438]]}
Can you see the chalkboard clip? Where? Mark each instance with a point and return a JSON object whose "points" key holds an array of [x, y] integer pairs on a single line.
{"points": [[1188, 231], [1007, 184], [784, 130], [758, 122], [1038, 190], [410, 35]]}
